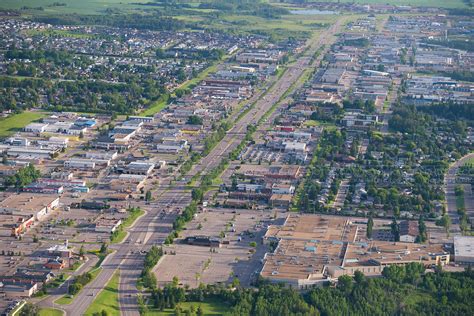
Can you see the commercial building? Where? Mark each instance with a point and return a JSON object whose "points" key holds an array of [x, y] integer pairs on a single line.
{"points": [[23, 204], [107, 225], [313, 249], [84, 164], [138, 167], [464, 249], [408, 231], [15, 290]]}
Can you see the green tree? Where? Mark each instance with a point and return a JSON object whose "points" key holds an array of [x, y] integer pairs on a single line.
{"points": [[422, 230], [344, 283], [370, 225], [29, 310], [359, 277], [103, 248], [395, 230], [74, 288], [148, 196], [195, 120]]}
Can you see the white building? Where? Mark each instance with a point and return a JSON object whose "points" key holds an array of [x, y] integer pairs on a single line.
{"points": [[35, 127], [80, 164], [464, 249], [282, 188]]}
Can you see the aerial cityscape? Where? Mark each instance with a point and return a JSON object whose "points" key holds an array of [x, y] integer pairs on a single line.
{"points": [[236, 157]]}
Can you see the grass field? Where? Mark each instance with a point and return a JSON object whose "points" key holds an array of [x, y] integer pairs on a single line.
{"points": [[421, 3], [156, 106], [60, 33], [162, 103], [469, 162], [72, 6], [50, 312], [107, 299], [209, 308], [16, 122]]}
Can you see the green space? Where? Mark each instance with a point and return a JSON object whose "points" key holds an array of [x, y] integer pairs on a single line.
{"points": [[422, 3], [209, 307], [107, 300], [469, 162], [119, 235], [16, 122], [75, 266], [50, 312], [58, 33], [156, 106], [460, 202], [290, 25], [313, 123], [65, 300], [46, 7], [68, 298]]}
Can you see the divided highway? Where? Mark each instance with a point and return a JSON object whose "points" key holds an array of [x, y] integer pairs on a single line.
{"points": [[153, 227]]}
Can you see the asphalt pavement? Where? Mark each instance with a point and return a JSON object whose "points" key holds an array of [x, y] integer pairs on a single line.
{"points": [[153, 227]]}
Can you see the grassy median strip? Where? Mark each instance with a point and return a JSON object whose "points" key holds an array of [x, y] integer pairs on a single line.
{"points": [[50, 312], [88, 276], [119, 234], [107, 300]]}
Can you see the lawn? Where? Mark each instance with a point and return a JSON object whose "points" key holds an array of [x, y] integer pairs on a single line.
{"points": [[107, 299], [65, 300], [50, 312], [16, 122], [210, 307], [469, 162]]}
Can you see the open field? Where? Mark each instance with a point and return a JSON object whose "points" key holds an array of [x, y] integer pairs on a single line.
{"points": [[291, 24], [72, 6], [422, 3], [107, 299], [208, 307], [17, 121], [60, 33], [156, 106]]}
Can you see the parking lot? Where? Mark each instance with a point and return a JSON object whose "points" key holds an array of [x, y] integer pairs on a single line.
{"points": [[239, 258]]}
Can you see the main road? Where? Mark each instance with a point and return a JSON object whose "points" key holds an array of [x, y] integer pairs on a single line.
{"points": [[272, 96], [153, 227]]}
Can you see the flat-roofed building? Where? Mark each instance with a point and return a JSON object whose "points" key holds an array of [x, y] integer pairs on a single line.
{"points": [[38, 205], [16, 290], [139, 167], [313, 249], [464, 249], [84, 164]]}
